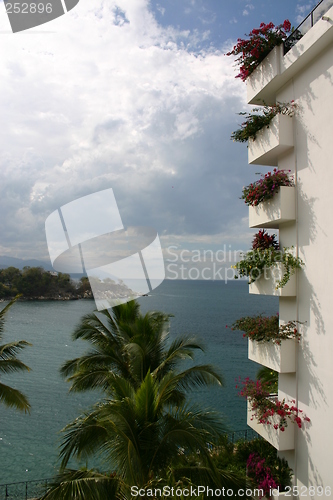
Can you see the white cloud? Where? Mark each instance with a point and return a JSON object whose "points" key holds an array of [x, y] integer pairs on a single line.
{"points": [[248, 7], [303, 9], [104, 97]]}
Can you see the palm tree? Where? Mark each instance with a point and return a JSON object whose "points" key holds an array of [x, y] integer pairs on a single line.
{"points": [[150, 441], [145, 431], [124, 343], [8, 364]]}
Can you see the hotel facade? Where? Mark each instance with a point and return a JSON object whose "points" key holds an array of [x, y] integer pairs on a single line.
{"points": [[301, 70]]}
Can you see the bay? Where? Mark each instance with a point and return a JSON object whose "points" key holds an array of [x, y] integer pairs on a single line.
{"points": [[29, 443]]}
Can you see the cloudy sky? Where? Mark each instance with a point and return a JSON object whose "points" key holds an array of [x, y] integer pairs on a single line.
{"points": [[135, 95]]}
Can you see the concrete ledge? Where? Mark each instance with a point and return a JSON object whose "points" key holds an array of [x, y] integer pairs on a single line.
{"points": [[266, 284], [281, 358], [281, 440], [281, 208], [271, 142]]}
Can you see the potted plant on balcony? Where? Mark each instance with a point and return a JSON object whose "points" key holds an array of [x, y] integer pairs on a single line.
{"points": [[266, 187], [266, 329], [255, 122], [265, 254], [253, 50], [267, 409], [270, 344]]}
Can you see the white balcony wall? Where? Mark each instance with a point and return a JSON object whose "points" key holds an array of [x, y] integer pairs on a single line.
{"points": [[281, 440], [266, 284], [271, 142], [306, 77], [281, 358], [278, 210]]}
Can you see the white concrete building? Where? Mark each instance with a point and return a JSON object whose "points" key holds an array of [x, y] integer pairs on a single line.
{"points": [[304, 145]]}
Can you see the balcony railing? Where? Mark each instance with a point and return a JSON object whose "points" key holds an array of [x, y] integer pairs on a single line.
{"points": [[315, 15], [24, 490]]}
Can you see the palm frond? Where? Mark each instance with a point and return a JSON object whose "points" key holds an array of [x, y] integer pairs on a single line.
{"points": [[84, 485], [12, 365], [198, 376], [83, 437], [11, 349], [14, 398]]}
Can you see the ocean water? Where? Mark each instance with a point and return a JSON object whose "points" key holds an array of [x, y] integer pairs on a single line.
{"points": [[29, 443]]}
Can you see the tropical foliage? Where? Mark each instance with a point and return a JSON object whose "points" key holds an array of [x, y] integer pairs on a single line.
{"points": [[9, 363], [270, 378], [235, 456], [34, 282], [126, 344], [145, 430]]}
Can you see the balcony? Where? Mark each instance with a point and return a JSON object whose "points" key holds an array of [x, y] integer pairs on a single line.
{"points": [[311, 19], [281, 358], [271, 142], [266, 284], [307, 42], [281, 440], [276, 211], [263, 76]]}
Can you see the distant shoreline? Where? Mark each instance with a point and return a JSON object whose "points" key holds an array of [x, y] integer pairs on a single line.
{"points": [[42, 298]]}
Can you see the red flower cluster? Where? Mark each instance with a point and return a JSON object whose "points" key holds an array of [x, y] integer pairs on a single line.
{"points": [[261, 474], [254, 50], [266, 329], [265, 406], [263, 240], [266, 187]]}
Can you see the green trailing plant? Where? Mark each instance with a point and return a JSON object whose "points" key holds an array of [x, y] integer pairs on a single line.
{"points": [[266, 328], [266, 187], [266, 254], [259, 118], [261, 41]]}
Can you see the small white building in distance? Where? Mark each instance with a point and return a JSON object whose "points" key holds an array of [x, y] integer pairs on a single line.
{"points": [[301, 70]]}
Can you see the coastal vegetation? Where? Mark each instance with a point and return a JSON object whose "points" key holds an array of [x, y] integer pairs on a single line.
{"points": [[258, 459], [36, 283], [144, 429], [9, 363]]}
